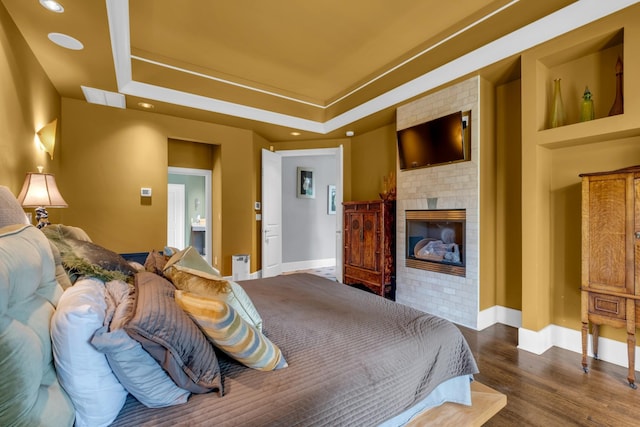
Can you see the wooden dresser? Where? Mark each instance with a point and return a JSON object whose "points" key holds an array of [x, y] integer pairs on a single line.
{"points": [[611, 256], [369, 245]]}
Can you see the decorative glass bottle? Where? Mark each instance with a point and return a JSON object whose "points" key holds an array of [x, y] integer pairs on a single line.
{"points": [[618, 103], [557, 107], [586, 106]]}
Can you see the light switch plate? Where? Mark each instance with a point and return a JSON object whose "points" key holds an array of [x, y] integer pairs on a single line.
{"points": [[145, 192], [256, 206]]}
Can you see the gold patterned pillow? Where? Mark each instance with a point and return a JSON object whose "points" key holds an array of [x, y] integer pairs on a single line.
{"points": [[231, 333], [188, 271]]}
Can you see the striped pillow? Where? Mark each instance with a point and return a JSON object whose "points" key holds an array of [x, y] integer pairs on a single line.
{"points": [[231, 333], [188, 271]]}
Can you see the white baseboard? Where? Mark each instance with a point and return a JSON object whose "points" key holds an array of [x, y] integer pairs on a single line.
{"points": [[254, 275], [609, 350], [498, 314], [538, 342], [306, 265], [295, 266], [535, 342]]}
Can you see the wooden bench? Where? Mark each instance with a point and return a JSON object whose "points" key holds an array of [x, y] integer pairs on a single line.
{"points": [[485, 403]]}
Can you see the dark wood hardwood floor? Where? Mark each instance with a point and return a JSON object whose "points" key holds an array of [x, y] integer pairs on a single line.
{"points": [[551, 389]]}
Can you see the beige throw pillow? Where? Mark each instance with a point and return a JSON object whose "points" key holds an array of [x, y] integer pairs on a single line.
{"points": [[188, 271]]}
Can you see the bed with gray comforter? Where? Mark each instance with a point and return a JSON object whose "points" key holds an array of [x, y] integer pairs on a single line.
{"points": [[355, 359]]}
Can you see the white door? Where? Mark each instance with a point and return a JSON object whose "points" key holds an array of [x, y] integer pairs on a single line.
{"points": [[175, 215], [271, 214], [339, 245]]}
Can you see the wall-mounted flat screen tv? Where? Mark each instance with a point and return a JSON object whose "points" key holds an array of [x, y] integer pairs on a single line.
{"points": [[440, 141]]}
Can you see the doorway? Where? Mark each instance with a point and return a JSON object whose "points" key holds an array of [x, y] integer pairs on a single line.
{"points": [[331, 217], [195, 207]]}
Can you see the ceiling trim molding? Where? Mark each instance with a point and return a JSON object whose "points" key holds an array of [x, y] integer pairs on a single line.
{"points": [[118, 17], [310, 152], [562, 21], [172, 96], [228, 82]]}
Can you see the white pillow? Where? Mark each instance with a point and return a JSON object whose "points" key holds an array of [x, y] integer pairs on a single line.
{"points": [[82, 370], [137, 371], [239, 300]]}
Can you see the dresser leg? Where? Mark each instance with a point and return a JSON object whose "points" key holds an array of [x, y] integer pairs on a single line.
{"points": [[631, 340], [595, 332], [631, 348], [585, 334]]}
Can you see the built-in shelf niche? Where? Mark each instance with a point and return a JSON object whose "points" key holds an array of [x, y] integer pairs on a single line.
{"points": [[591, 63]]}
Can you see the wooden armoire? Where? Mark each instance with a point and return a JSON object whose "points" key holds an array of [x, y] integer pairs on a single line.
{"points": [[611, 256], [369, 245]]}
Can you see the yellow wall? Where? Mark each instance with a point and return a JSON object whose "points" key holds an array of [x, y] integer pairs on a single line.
{"points": [[488, 202], [509, 195], [28, 101], [107, 154], [189, 154], [374, 157]]}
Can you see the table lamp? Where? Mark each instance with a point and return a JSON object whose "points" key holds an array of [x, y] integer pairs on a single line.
{"points": [[40, 191]]}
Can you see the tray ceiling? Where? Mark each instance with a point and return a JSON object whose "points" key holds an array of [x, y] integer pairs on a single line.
{"points": [[318, 67]]}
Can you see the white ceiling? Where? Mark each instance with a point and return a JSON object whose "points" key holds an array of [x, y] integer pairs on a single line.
{"points": [[317, 67]]}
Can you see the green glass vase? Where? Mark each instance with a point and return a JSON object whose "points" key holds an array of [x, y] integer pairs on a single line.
{"points": [[586, 106], [557, 107]]}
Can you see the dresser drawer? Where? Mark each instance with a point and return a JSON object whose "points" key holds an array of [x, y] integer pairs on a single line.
{"points": [[607, 305], [359, 275]]}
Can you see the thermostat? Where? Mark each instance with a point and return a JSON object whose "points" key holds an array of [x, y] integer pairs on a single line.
{"points": [[145, 192]]}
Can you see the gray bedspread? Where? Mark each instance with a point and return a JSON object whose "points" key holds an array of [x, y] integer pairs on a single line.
{"points": [[355, 359]]}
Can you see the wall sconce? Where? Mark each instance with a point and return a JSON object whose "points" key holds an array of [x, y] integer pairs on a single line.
{"points": [[40, 191], [47, 137]]}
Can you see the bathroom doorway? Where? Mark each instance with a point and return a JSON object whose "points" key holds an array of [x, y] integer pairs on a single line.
{"points": [[195, 207]]}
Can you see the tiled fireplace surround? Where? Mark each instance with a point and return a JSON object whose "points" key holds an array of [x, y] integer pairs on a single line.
{"points": [[455, 186]]}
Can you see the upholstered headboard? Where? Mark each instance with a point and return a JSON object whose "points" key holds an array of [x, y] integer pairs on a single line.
{"points": [[29, 392], [10, 210]]}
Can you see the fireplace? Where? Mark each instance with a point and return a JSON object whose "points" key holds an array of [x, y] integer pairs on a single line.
{"points": [[436, 240]]}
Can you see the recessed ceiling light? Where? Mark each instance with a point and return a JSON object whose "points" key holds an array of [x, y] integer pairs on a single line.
{"points": [[295, 133], [145, 105], [52, 5], [349, 133], [65, 41]]}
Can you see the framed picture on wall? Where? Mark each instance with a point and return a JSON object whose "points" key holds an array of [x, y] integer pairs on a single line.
{"points": [[331, 199], [305, 183]]}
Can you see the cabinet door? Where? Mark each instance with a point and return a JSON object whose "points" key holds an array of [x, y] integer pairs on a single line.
{"points": [[354, 253], [609, 226], [370, 241]]}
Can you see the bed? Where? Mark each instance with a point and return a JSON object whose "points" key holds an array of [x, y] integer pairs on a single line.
{"points": [[352, 358]]}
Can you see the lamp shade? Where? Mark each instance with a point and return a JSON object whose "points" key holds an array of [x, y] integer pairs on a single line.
{"points": [[40, 190]]}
